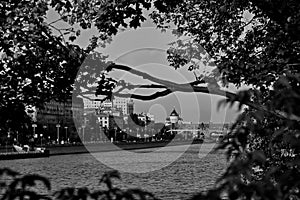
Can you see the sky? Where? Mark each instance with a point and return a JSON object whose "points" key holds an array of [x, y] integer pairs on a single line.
{"points": [[145, 49]]}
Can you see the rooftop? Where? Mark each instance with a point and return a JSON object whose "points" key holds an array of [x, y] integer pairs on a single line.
{"points": [[174, 113]]}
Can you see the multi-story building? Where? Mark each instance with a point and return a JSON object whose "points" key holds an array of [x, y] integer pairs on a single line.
{"points": [[125, 104], [107, 104], [91, 101], [109, 121], [130, 107], [146, 117], [58, 119]]}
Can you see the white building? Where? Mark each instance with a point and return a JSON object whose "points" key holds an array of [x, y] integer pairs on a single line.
{"points": [[91, 101], [107, 104], [103, 120], [174, 119], [123, 103], [110, 121], [146, 116]]}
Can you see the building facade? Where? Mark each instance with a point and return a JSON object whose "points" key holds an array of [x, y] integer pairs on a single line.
{"points": [[91, 102], [109, 121], [130, 107], [174, 120], [56, 119], [126, 104]]}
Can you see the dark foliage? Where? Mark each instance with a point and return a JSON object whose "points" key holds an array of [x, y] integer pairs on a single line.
{"points": [[17, 186]]}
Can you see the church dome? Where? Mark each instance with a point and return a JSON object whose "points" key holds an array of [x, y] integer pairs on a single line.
{"points": [[174, 113]]}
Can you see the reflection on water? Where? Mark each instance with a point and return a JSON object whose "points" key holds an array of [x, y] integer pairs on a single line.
{"points": [[194, 171]]}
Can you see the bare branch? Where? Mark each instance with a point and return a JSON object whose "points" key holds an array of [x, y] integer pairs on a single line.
{"points": [[145, 97], [153, 86], [165, 83], [249, 22], [188, 87], [53, 22], [60, 33], [138, 73]]}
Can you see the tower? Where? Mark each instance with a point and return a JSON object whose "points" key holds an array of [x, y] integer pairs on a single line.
{"points": [[130, 107], [174, 117]]}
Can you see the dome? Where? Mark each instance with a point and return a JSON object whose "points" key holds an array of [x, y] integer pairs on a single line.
{"points": [[174, 113]]}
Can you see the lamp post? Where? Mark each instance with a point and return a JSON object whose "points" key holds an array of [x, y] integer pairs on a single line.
{"points": [[18, 137], [35, 136], [66, 128], [49, 138], [8, 136], [34, 126], [137, 133], [44, 127], [41, 137], [57, 126], [83, 134]]}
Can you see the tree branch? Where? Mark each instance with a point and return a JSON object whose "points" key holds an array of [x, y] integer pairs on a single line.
{"points": [[53, 22], [139, 73], [153, 86], [145, 97], [59, 31], [165, 83], [188, 87]]}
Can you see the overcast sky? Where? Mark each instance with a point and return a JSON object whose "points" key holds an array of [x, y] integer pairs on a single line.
{"points": [[145, 49]]}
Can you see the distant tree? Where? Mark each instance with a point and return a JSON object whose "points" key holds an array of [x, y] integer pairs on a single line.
{"points": [[39, 57]]}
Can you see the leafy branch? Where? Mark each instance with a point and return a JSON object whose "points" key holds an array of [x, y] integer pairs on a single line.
{"points": [[22, 187], [244, 98]]}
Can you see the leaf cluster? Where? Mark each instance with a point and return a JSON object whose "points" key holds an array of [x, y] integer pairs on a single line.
{"points": [[23, 187]]}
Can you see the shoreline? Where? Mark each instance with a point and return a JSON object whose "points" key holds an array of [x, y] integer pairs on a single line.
{"points": [[68, 149], [106, 147]]}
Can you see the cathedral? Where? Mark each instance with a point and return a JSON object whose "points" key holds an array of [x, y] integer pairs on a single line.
{"points": [[174, 120]]}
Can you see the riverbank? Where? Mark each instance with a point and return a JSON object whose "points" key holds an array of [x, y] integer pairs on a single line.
{"points": [[105, 147]]}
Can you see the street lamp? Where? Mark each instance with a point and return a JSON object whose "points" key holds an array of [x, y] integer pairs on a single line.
{"points": [[34, 126], [130, 133], [18, 137], [83, 134], [8, 136], [67, 139], [41, 137], [58, 126], [35, 137], [44, 127], [137, 134], [49, 138]]}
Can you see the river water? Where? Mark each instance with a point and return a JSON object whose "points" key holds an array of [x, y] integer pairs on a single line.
{"points": [[194, 171]]}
